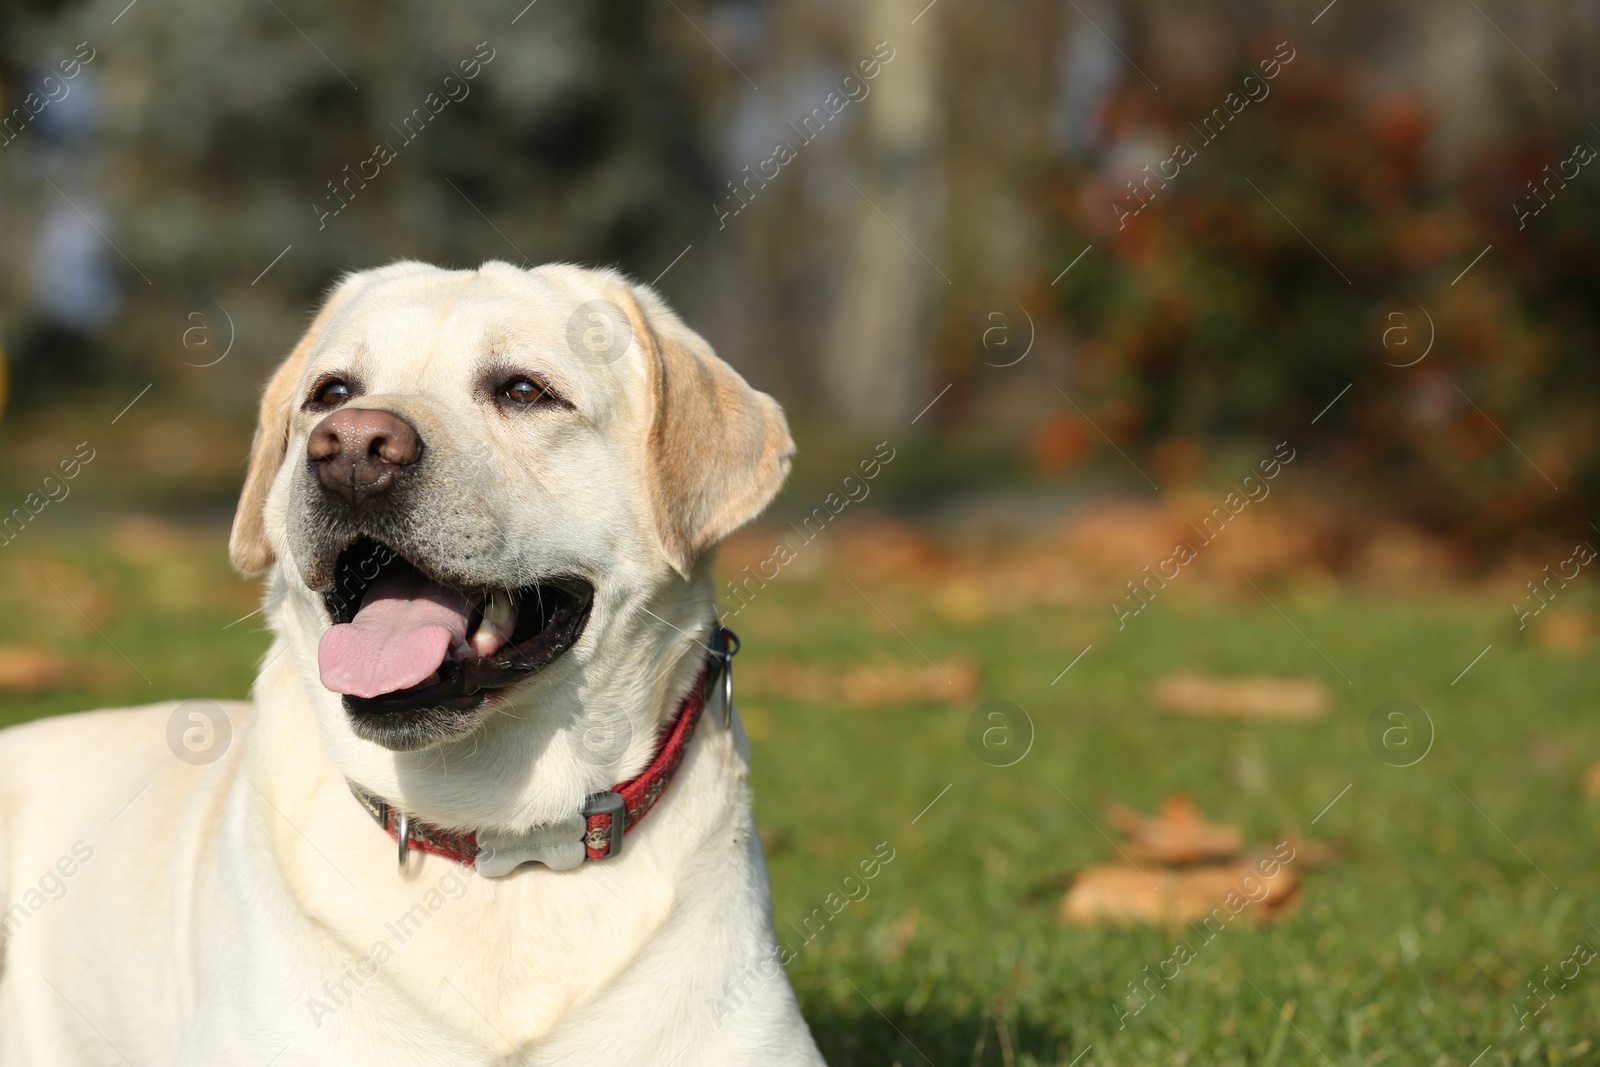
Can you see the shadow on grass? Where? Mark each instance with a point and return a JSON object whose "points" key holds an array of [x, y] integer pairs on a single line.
{"points": [[870, 1039]]}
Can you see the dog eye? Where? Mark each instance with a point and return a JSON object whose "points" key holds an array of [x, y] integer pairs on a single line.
{"points": [[331, 393], [526, 392]]}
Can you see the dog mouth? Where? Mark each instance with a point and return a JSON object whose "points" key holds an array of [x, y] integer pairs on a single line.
{"points": [[404, 641]]}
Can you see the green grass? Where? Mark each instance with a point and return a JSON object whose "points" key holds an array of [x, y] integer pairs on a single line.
{"points": [[1412, 947]]}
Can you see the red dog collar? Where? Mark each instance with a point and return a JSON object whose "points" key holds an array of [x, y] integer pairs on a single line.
{"points": [[631, 800]]}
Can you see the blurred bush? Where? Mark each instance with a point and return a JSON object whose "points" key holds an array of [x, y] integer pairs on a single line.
{"points": [[1317, 244]]}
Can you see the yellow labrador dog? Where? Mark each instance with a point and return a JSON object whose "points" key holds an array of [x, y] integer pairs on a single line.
{"points": [[489, 803]]}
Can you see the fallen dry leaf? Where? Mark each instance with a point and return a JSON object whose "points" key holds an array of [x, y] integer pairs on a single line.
{"points": [[961, 601], [878, 685], [148, 540], [1125, 895], [1242, 698], [1180, 868], [1565, 631], [69, 596], [1394, 556], [889, 550], [1591, 781], [1178, 834], [27, 669], [870, 685], [1023, 557]]}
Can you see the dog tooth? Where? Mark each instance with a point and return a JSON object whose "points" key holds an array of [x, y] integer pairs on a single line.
{"points": [[498, 616], [498, 609], [484, 637]]}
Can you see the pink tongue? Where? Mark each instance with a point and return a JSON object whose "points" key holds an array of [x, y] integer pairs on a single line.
{"points": [[406, 627]]}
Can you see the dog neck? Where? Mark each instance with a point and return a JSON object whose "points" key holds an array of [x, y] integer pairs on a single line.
{"points": [[598, 830]]}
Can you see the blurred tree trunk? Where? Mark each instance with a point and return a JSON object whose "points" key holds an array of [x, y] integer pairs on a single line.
{"points": [[874, 367]]}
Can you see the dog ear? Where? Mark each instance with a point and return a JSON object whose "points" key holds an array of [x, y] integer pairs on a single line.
{"points": [[248, 546], [719, 450]]}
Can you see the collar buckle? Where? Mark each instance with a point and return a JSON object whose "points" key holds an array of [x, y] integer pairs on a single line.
{"points": [[607, 803], [725, 646], [402, 835], [402, 828]]}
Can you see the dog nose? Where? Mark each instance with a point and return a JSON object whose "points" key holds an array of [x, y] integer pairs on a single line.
{"points": [[361, 452]]}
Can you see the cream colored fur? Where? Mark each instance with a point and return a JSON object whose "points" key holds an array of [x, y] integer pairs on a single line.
{"points": [[236, 913]]}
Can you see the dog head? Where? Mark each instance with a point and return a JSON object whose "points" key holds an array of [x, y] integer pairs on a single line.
{"points": [[487, 499]]}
